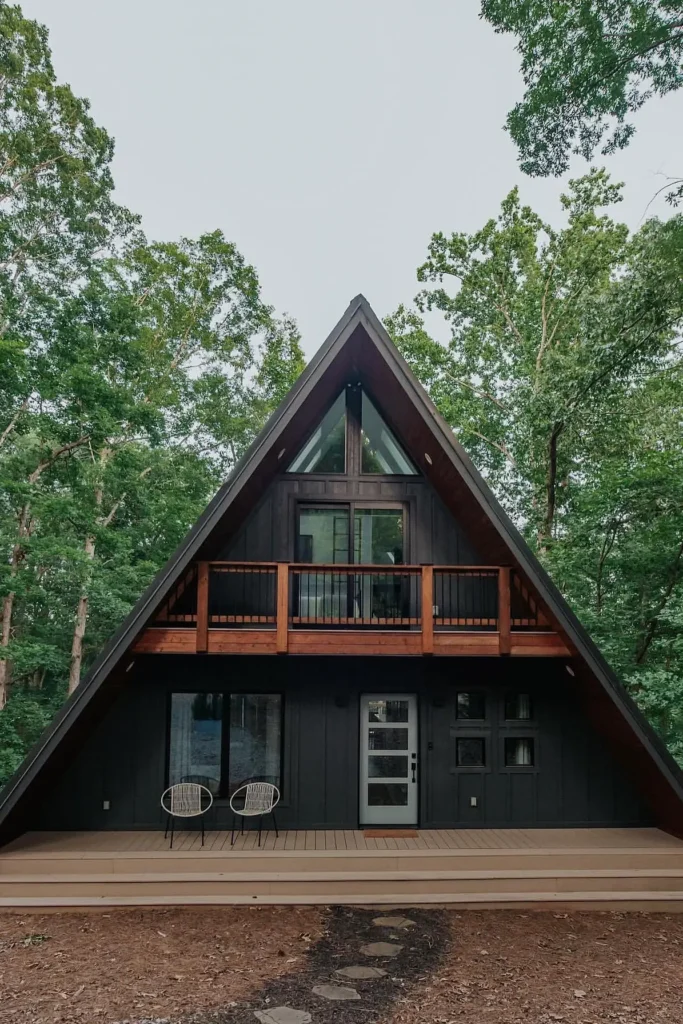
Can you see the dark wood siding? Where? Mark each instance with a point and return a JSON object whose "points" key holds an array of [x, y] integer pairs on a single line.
{"points": [[434, 535], [574, 782]]}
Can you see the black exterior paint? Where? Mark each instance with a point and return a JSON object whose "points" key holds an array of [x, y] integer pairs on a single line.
{"points": [[434, 536], [111, 734], [575, 781]]}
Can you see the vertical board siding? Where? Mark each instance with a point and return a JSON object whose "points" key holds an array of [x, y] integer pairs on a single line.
{"points": [[576, 780]]}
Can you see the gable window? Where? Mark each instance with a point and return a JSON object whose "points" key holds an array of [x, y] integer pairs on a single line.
{"points": [[380, 451], [222, 740], [325, 450], [353, 437]]}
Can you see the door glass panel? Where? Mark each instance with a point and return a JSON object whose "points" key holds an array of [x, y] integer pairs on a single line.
{"points": [[387, 794], [380, 451], [325, 451], [388, 766], [378, 536], [387, 739], [323, 538], [388, 711]]}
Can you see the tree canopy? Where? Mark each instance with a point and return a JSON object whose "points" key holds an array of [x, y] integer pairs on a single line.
{"points": [[588, 65]]}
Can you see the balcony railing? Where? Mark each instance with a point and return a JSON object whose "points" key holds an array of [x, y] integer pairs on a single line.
{"points": [[285, 597]]}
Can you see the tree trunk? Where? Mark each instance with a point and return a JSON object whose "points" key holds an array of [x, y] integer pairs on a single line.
{"points": [[8, 606], [545, 534], [81, 623]]}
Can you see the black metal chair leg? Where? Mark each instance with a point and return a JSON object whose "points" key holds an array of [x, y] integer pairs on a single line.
{"points": [[202, 830], [168, 819], [277, 834], [260, 825], [172, 830], [232, 834]]}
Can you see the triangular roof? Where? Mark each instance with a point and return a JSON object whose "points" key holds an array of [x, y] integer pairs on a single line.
{"points": [[360, 348]]}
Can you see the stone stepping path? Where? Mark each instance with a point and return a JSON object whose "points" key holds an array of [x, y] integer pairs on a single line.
{"points": [[381, 949], [283, 1015], [337, 993], [361, 973], [392, 922]]}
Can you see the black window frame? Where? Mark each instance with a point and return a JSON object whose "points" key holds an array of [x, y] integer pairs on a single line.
{"points": [[466, 738], [473, 692], [511, 695], [224, 780]]}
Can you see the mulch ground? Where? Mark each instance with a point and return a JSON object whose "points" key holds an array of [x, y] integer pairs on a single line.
{"points": [[147, 963], [217, 966]]}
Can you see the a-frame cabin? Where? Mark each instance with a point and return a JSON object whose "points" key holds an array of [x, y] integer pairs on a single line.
{"points": [[355, 620]]}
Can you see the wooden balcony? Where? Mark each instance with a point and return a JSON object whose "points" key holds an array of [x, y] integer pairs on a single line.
{"points": [[300, 608]]}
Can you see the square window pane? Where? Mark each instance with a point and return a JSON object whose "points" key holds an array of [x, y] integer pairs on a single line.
{"points": [[255, 738], [518, 707], [388, 710], [471, 705], [387, 739], [519, 753], [387, 794], [470, 752], [196, 739], [386, 766]]}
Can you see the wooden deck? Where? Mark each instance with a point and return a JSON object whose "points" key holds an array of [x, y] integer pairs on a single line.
{"points": [[625, 868]]}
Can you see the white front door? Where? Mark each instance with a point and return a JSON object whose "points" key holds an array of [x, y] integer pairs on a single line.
{"points": [[388, 759]]}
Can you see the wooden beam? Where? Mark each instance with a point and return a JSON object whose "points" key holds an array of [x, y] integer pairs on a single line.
{"points": [[202, 607], [504, 641], [427, 609], [282, 612]]}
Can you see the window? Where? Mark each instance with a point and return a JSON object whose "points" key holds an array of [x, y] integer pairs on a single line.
{"points": [[518, 707], [519, 753], [470, 752], [325, 450], [380, 451], [221, 740], [471, 706]]}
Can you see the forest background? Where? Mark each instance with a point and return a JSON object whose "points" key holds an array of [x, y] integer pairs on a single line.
{"points": [[133, 374]]}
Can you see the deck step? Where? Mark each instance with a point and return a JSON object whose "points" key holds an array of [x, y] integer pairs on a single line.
{"points": [[661, 901]]}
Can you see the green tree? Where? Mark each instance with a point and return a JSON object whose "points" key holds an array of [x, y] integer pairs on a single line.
{"points": [[587, 65], [562, 378]]}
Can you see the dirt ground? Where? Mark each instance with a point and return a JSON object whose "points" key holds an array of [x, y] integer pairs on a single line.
{"points": [[132, 964], [219, 965]]}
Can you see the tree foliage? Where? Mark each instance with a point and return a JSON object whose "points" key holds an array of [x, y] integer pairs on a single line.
{"points": [[133, 374], [587, 65], [563, 379]]}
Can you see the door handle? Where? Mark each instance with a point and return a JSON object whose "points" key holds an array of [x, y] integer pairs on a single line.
{"points": [[414, 767]]}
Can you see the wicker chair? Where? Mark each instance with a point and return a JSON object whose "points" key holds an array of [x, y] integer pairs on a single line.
{"points": [[184, 800], [260, 798]]}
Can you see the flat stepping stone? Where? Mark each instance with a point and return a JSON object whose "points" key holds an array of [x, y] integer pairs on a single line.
{"points": [[283, 1015], [361, 973], [393, 922], [381, 949], [337, 993]]}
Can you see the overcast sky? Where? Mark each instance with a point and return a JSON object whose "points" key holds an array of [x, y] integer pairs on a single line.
{"points": [[327, 138]]}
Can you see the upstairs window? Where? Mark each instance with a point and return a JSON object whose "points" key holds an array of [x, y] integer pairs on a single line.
{"points": [[325, 450], [380, 451], [353, 438]]}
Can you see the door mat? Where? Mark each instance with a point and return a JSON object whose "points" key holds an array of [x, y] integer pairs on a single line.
{"points": [[390, 833]]}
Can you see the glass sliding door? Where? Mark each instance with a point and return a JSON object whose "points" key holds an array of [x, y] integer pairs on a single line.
{"points": [[322, 538], [378, 540]]}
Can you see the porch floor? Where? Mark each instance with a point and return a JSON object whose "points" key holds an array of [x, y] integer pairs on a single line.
{"points": [[638, 868], [83, 844]]}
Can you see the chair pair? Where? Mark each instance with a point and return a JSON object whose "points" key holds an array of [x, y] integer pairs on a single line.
{"points": [[192, 800]]}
